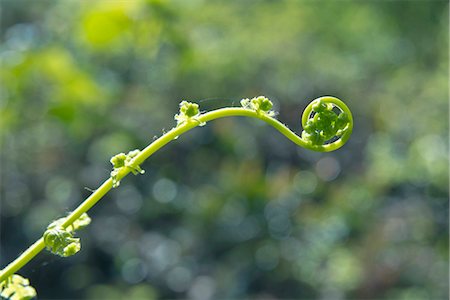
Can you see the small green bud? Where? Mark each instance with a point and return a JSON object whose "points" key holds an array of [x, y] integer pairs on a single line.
{"points": [[259, 104], [342, 120], [79, 223], [319, 106], [114, 177], [245, 103], [262, 103], [72, 248], [123, 160], [83, 221], [310, 127], [61, 242], [188, 111], [118, 160], [133, 153]]}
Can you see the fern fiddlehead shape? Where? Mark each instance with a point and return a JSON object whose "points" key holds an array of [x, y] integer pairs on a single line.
{"points": [[327, 122], [321, 123], [327, 125]]}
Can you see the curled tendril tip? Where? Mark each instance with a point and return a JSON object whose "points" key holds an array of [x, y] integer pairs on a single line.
{"points": [[327, 124]]}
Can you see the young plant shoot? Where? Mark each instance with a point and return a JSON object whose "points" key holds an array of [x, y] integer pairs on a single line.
{"points": [[325, 129]]}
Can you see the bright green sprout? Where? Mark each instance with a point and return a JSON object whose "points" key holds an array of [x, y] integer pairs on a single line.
{"points": [[16, 288], [123, 161], [327, 125], [323, 123], [60, 240], [259, 104], [188, 112]]}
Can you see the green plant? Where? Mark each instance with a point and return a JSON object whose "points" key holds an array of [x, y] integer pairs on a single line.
{"points": [[324, 130]]}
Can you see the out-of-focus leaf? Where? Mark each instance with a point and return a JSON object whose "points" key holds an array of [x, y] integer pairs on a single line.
{"points": [[16, 287]]}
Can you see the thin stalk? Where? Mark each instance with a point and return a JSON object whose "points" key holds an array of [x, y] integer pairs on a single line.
{"points": [[98, 194]]}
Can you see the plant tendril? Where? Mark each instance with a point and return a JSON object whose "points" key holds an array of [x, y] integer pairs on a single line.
{"points": [[321, 124], [324, 130]]}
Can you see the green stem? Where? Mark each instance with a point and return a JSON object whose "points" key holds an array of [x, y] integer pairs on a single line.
{"points": [[39, 245]]}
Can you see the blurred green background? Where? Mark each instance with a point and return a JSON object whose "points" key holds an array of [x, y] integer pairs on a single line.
{"points": [[231, 210]]}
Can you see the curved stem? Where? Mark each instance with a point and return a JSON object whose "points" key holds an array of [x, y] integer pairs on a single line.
{"points": [[39, 245]]}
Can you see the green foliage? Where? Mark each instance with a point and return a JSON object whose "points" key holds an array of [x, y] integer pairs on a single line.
{"points": [[16, 288]]}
